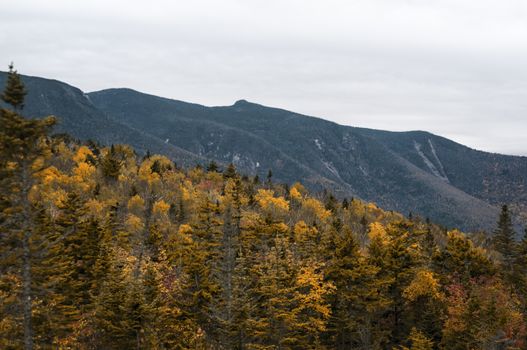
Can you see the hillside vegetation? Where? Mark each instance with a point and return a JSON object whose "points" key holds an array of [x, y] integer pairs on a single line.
{"points": [[413, 171], [104, 249]]}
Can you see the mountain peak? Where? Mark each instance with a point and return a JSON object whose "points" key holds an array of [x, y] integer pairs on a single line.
{"points": [[241, 102]]}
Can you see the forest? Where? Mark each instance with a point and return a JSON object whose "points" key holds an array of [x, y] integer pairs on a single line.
{"points": [[102, 248]]}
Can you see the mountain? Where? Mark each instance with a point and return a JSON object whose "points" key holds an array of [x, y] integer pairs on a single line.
{"points": [[78, 117], [412, 171]]}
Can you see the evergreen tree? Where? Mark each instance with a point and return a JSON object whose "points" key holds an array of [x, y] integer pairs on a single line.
{"points": [[230, 246], [212, 167], [519, 271], [503, 238], [230, 172], [397, 254], [15, 91], [269, 178], [111, 164], [461, 259], [359, 299], [201, 288], [23, 149], [113, 327]]}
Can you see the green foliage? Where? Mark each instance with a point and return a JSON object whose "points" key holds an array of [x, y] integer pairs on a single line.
{"points": [[14, 91], [503, 238]]}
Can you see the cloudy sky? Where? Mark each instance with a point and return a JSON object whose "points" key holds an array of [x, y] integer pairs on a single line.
{"points": [[456, 68]]}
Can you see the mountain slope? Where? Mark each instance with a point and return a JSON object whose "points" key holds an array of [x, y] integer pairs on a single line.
{"points": [[405, 171], [78, 117], [412, 171]]}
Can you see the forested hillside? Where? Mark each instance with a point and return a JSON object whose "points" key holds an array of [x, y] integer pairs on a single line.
{"points": [[103, 249], [412, 171]]}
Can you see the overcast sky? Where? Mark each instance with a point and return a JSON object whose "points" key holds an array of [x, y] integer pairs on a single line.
{"points": [[455, 68]]}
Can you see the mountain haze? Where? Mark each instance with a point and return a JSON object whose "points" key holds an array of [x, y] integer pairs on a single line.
{"points": [[412, 171]]}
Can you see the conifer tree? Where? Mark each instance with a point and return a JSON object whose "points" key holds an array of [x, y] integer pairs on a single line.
{"points": [[461, 259], [269, 178], [359, 299], [49, 271], [111, 164], [503, 238], [74, 234], [275, 323], [397, 255], [230, 172], [519, 271], [113, 328], [15, 90], [230, 246], [22, 143], [212, 167], [200, 290]]}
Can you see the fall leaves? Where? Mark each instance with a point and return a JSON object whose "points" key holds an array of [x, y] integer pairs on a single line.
{"points": [[133, 252]]}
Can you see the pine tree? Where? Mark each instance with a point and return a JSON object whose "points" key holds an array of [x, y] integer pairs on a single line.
{"points": [[519, 271], [111, 164], [503, 239], [23, 149], [461, 259], [269, 178], [429, 245], [48, 270], [212, 167], [200, 285], [275, 323], [113, 328], [359, 299], [15, 91], [52, 273], [397, 255], [230, 246], [230, 172], [80, 240]]}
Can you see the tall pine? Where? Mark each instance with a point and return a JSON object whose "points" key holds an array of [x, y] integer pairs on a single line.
{"points": [[503, 238], [23, 149]]}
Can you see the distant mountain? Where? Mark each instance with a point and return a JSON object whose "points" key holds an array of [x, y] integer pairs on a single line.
{"points": [[413, 171], [78, 117]]}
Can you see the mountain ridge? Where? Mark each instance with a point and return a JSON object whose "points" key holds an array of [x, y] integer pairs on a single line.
{"points": [[411, 171]]}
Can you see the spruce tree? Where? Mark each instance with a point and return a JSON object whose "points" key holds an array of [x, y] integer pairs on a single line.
{"points": [[359, 299], [15, 91], [269, 178], [200, 289], [229, 248], [519, 271], [22, 143], [230, 172], [212, 167], [503, 239], [111, 164]]}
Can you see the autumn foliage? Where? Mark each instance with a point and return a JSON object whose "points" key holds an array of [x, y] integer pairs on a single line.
{"points": [[111, 250]]}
